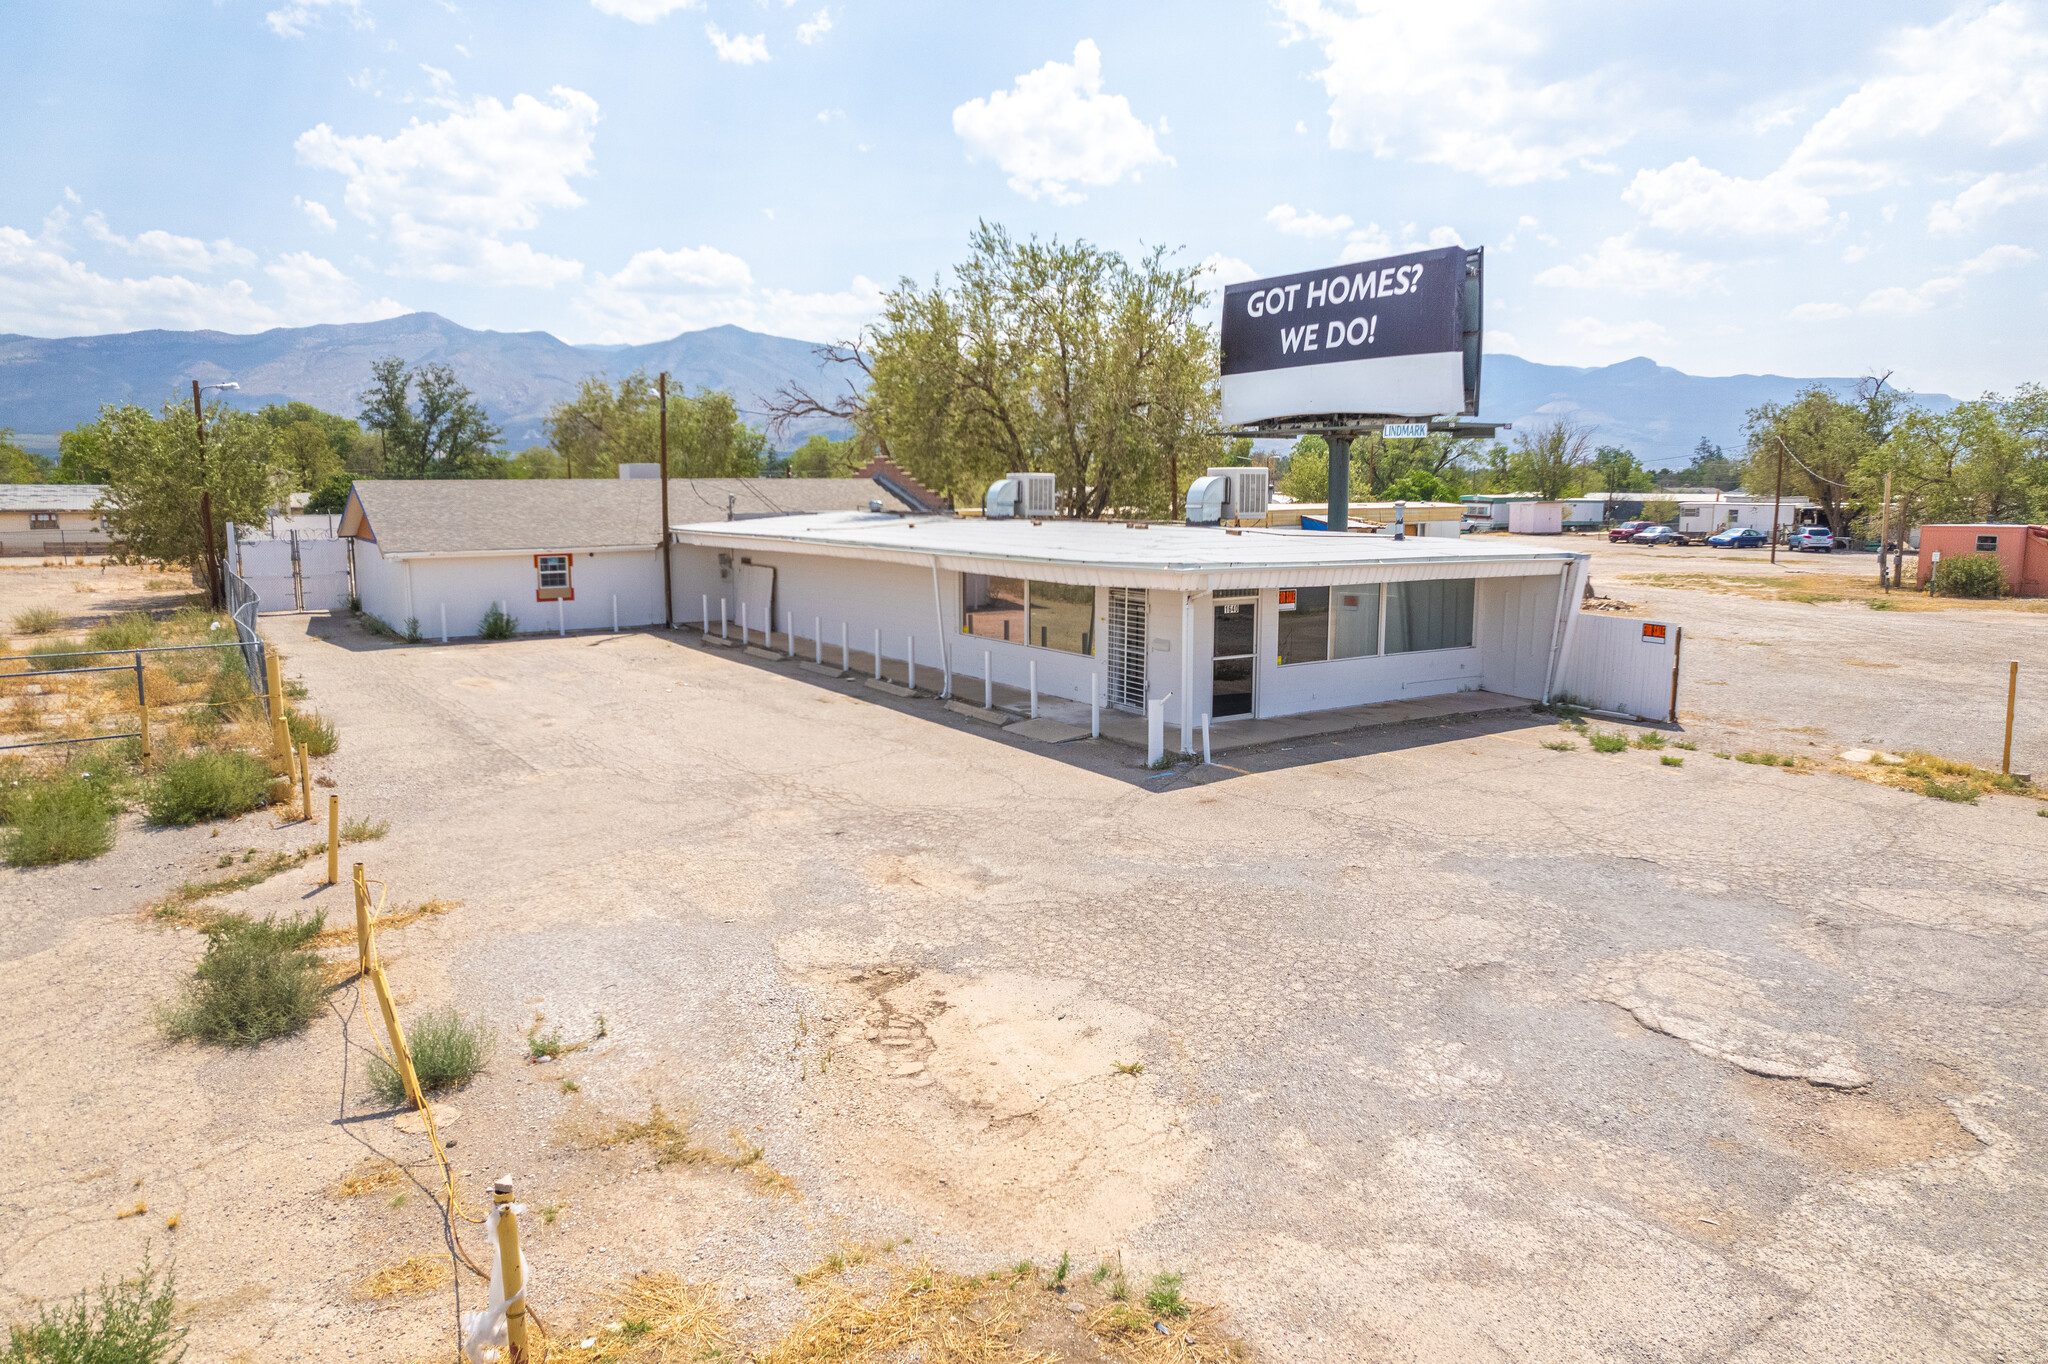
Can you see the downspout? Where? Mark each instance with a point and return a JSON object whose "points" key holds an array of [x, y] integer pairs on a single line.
{"points": [[1570, 582], [945, 648]]}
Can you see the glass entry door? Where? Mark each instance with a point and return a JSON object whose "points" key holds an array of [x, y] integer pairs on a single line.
{"points": [[1235, 648]]}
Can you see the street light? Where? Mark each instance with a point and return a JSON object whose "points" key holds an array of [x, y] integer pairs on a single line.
{"points": [[214, 592]]}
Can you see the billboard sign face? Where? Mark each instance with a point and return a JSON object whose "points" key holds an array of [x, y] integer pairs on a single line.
{"points": [[1384, 337]]}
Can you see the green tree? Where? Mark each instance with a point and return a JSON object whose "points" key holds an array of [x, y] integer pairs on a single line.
{"points": [[1551, 459], [1039, 356], [445, 434], [331, 497], [537, 461], [81, 456], [1417, 485], [301, 427], [1710, 468], [1306, 477], [1821, 440], [18, 465], [1617, 470], [823, 457], [608, 424], [155, 474]]}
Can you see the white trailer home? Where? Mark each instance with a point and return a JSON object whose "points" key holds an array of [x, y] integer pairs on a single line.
{"points": [[1223, 622]]}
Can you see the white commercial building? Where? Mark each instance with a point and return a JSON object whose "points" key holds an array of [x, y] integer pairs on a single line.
{"points": [[1223, 622]]}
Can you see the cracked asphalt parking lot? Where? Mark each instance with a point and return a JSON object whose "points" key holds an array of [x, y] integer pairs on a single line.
{"points": [[1453, 1047]]}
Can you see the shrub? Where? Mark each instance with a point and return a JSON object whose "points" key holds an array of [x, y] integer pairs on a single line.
{"points": [[230, 683], [1608, 743], [1672, 760], [497, 625], [1970, 575], [412, 630], [314, 730], [37, 620], [257, 981], [130, 1324], [360, 830], [1163, 1299], [202, 786], [132, 631], [447, 1050], [58, 653], [61, 818]]}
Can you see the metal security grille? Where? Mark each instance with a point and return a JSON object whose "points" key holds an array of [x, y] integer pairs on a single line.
{"points": [[1234, 593], [1127, 648]]}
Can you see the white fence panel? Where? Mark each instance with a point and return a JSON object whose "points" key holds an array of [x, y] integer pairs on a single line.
{"points": [[1623, 664], [323, 574], [266, 565]]}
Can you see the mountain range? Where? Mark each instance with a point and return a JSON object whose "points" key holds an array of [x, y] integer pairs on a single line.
{"points": [[47, 386]]}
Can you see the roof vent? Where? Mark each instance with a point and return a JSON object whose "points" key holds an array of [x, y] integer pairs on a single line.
{"points": [[639, 471]]}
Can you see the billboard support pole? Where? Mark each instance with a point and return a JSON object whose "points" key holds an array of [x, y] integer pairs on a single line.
{"points": [[1339, 512]]}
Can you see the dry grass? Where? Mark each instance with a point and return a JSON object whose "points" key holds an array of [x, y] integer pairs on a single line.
{"points": [[405, 1278], [368, 1177], [1816, 588], [1944, 778], [345, 936], [1126, 1331], [673, 1143], [185, 907], [656, 1319], [922, 1313]]}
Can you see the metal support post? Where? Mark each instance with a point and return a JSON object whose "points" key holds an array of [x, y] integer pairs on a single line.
{"points": [[818, 640], [1034, 689], [878, 653], [1339, 510], [789, 628], [1094, 706], [1205, 738], [512, 1266], [1155, 730], [988, 683], [910, 661]]}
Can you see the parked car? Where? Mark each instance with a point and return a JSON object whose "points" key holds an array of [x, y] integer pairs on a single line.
{"points": [[1628, 530], [1739, 537], [1813, 537], [1657, 535]]}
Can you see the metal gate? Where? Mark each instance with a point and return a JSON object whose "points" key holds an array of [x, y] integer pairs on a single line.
{"points": [[1127, 648], [295, 574], [323, 573], [269, 568]]}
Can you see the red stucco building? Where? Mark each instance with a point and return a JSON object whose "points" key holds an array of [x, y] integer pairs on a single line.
{"points": [[2022, 549]]}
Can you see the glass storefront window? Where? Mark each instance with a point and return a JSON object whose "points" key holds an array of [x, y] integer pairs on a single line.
{"points": [[1355, 621], [1429, 615], [992, 607], [1045, 615], [1304, 624]]}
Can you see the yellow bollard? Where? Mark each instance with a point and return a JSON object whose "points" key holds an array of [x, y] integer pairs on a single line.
{"points": [[514, 1271], [333, 839], [2012, 695], [280, 740], [306, 782], [366, 959], [364, 953]]}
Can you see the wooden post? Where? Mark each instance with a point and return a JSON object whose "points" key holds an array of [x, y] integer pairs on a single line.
{"points": [[280, 732], [513, 1269], [2012, 693], [1777, 499], [333, 839]]}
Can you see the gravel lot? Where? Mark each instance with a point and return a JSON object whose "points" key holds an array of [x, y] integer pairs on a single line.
{"points": [[1453, 1047]]}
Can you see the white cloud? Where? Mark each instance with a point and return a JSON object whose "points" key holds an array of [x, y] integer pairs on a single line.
{"points": [[1056, 128], [1996, 191], [1777, 118], [1284, 217], [1507, 243], [294, 19], [1901, 301], [1634, 337], [46, 291], [1447, 85], [1498, 340], [444, 193], [443, 82], [316, 213], [659, 293], [1218, 270], [1620, 266], [166, 248], [737, 48], [1687, 197], [1372, 240], [814, 28], [641, 11]]}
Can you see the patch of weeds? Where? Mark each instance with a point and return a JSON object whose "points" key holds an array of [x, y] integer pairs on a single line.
{"points": [[1608, 743], [1163, 1297], [132, 631], [65, 816], [1959, 793], [47, 658], [1562, 746], [673, 1144], [1650, 739], [313, 730], [397, 1201], [202, 786], [189, 893], [360, 830], [1688, 747], [257, 981], [550, 1213], [128, 1323], [1882, 604], [570, 1086], [377, 626], [1062, 1269], [1724, 755], [37, 620], [371, 1176], [1671, 760], [447, 1052], [1766, 759], [1165, 761], [405, 1278], [412, 630], [1129, 1067], [1102, 1272], [920, 1312], [496, 624], [382, 923], [295, 690]]}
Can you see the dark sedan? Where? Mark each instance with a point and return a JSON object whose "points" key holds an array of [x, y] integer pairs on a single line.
{"points": [[1739, 537]]}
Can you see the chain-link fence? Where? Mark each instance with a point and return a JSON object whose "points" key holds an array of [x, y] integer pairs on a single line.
{"points": [[242, 605]]}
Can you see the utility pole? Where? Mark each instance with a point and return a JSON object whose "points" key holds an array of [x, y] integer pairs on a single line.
{"points": [[214, 596], [1777, 498], [1884, 536], [668, 583]]}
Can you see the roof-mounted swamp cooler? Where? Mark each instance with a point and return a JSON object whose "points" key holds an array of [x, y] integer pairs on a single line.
{"points": [[1228, 495], [1019, 495]]}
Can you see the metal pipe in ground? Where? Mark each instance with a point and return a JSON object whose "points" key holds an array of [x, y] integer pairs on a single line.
{"points": [[1155, 730]]}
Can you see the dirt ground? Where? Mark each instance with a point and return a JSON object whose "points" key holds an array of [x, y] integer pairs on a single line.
{"points": [[1426, 1045]]}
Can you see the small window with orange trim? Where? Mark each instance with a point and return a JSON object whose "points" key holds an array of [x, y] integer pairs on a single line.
{"points": [[553, 571]]}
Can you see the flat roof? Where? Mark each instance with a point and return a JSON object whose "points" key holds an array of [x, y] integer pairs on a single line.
{"points": [[49, 496], [1114, 553]]}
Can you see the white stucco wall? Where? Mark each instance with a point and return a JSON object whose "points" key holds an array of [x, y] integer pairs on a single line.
{"points": [[466, 587]]}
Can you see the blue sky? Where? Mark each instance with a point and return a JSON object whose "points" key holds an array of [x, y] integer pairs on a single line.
{"points": [[1742, 187]]}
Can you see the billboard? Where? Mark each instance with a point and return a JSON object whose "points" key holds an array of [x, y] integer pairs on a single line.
{"points": [[1394, 337]]}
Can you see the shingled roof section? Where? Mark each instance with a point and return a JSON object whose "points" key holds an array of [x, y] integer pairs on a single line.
{"points": [[82, 496], [479, 516]]}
